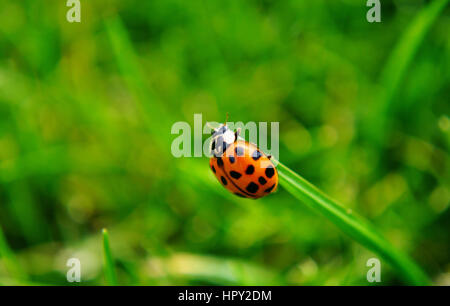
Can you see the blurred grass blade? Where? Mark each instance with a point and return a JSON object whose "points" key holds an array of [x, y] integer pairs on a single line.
{"points": [[154, 114], [9, 260], [405, 49], [218, 270], [351, 224], [110, 272], [398, 62]]}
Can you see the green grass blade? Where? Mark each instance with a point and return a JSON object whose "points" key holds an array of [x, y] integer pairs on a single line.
{"points": [[9, 260], [351, 224], [154, 114], [398, 63], [110, 272]]}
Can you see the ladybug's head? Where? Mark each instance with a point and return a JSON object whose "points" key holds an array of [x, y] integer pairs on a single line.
{"points": [[222, 138]]}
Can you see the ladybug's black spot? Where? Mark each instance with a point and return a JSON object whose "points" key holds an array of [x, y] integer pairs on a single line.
{"points": [[262, 180], [256, 155], [270, 171], [235, 174], [239, 151], [270, 188], [224, 180], [232, 159], [252, 187], [213, 169], [225, 147], [220, 162], [240, 195], [250, 170]]}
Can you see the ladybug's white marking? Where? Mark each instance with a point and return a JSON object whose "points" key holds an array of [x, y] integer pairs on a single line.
{"points": [[222, 138], [228, 136]]}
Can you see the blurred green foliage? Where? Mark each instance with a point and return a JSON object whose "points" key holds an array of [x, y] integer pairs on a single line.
{"points": [[85, 116]]}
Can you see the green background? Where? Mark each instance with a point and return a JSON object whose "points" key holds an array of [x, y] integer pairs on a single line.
{"points": [[86, 111]]}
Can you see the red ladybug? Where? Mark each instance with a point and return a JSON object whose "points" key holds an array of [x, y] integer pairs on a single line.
{"points": [[240, 166]]}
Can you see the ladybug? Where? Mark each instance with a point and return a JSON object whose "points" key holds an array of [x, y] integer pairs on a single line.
{"points": [[240, 166]]}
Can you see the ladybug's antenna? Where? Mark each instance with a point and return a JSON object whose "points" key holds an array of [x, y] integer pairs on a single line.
{"points": [[226, 119]]}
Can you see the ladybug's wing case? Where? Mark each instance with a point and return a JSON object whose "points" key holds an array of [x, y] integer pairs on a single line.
{"points": [[250, 171], [217, 168]]}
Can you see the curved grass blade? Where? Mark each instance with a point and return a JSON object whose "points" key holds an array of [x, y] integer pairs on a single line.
{"points": [[351, 224], [110, 272], [397, 64]]}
